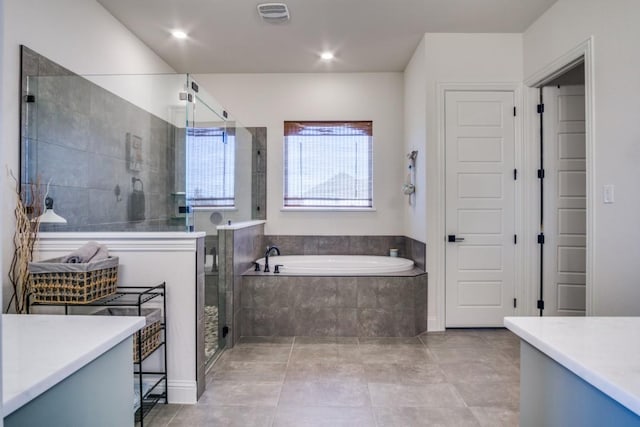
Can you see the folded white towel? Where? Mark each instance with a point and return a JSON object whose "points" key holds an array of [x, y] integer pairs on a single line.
{"points": [[103, 253], [91, 251]]}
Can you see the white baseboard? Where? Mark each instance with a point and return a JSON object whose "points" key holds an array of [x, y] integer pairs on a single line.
{"points": [[183, 392], [434, 324]]}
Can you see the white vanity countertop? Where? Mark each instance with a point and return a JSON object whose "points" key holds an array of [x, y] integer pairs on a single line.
{"points": [[39, 351], [603, 351]]}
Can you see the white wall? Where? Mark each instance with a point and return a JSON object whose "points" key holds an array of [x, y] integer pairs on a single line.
{"points": [[415, 133], [447, 59], [614, 26], [2, 192], [270, 99], [78, 34]]}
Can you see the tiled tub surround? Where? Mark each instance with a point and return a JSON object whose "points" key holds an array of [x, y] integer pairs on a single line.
{"points": [[239, 247], [349, 306], [349, 245]]}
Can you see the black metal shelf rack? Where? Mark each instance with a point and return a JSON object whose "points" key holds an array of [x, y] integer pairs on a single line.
{"points": [[134, 296]]}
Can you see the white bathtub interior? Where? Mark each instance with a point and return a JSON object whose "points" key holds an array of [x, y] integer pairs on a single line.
{"points": [[337, 264]]}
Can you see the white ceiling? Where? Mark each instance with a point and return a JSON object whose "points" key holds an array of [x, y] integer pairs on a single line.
{"points": [[227, 36]]}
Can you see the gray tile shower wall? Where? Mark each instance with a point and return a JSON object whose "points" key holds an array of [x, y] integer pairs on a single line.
{"points": [[259, 173], [76, 133], [237, 251], [350, 245]]}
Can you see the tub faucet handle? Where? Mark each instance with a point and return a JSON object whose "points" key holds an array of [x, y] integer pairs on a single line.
{"points": [[256, 266], [276, 268]]}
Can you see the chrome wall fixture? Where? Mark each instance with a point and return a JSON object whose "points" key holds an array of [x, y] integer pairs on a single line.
{"points": [[409, 186]]}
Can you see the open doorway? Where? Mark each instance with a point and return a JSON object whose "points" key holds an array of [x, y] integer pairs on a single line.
{"points": [[563, 194]]}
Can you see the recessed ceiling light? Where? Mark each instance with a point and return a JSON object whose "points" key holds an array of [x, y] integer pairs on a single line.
{"points": [[326, 56], [179, 34]]}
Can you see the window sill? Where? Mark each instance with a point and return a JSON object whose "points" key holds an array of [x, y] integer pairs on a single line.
{"points": [[327, 209], [212, 209]]}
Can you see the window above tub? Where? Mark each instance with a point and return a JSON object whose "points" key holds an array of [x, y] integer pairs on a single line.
{"points": [[328, 165]]}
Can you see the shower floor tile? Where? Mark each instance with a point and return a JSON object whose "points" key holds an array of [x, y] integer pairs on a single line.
{"points": [[439, 379]]}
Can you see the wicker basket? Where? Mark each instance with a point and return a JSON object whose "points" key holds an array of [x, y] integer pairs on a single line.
{"points": [[53, 281], [151, 333]]}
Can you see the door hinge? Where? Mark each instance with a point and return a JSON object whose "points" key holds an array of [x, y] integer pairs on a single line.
{"points": [[540, 108], [515, 174], [515, 239], [515, 303], [184, 96], [540, 304], [541, 173], [514, 111], [225, 331], [541, 239]]}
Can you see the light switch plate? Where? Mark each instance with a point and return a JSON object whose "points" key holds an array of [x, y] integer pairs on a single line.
{"points": [[608, 194]]}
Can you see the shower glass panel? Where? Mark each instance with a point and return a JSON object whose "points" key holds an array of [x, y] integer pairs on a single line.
{"points": [[103, 148], [210, 188], [120, 153], [113, 150]]}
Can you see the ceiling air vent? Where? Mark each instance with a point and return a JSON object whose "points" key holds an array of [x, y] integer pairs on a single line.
{"points": [[273, 12]]}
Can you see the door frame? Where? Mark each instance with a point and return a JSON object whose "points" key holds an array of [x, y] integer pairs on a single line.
{"points": [[436, 210], [583, 52]]}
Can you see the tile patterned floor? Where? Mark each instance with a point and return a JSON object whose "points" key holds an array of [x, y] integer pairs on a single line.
{"points": [[454, 378]]}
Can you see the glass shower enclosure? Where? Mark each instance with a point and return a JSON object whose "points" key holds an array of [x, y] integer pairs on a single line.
{"points": [[135, 153]]}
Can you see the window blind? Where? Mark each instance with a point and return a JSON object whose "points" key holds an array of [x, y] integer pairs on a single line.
{"points": [[210, 167], [328, 164]]}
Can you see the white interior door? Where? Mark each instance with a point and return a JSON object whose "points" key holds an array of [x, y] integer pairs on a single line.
{"points": [[564, 201], [480, 197]]}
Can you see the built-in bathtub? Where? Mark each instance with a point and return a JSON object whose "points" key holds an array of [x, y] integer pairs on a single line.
{"points": [[332, 265], [345, 295]]}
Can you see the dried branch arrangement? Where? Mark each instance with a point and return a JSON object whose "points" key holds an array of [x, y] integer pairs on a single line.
{"points": [[27, 215]]}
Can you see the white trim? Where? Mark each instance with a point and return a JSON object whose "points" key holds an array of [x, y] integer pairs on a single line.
{"points": [[560, 65], [241, 224], [120, 242], [327, 209], [182, 392], [123, 235], [214, 208], [531, 204], [583, 51], [436, 268]]}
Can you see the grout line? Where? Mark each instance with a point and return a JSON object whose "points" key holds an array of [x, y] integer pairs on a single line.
{"points": [[373, 410], [286, 369], [174, 416], [422, 341]]}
